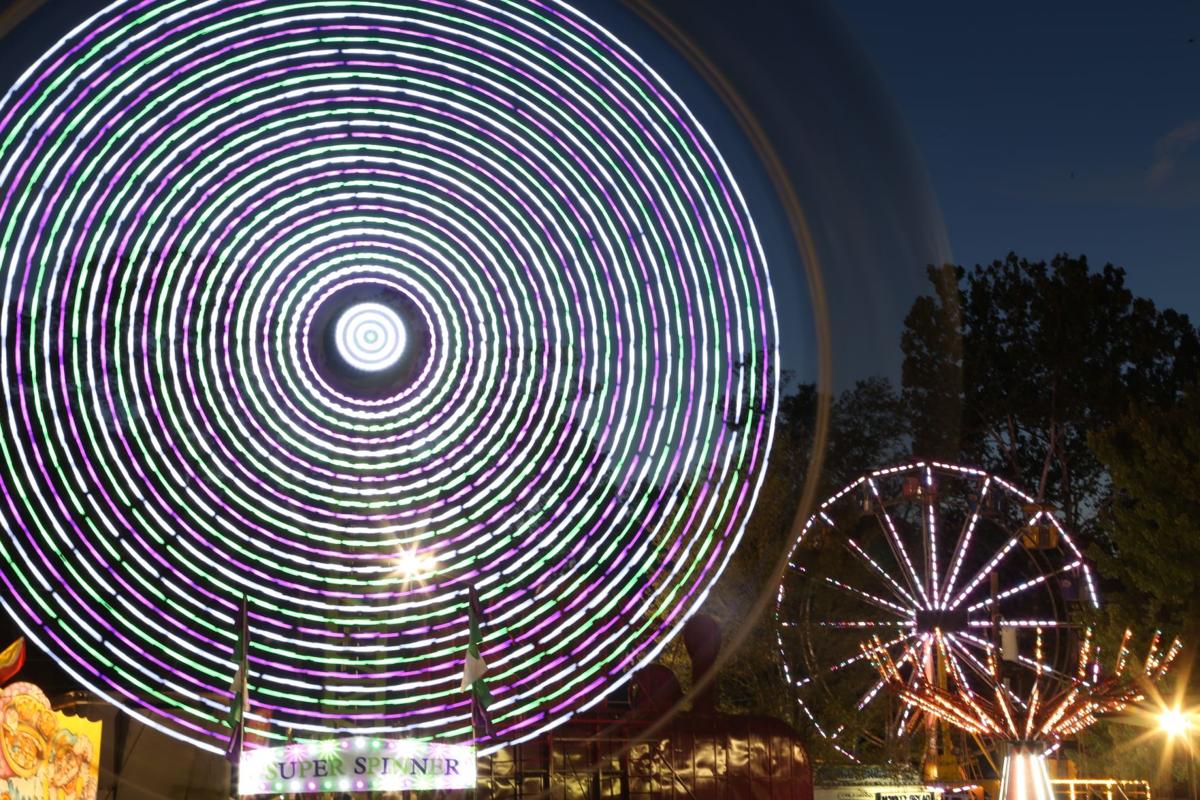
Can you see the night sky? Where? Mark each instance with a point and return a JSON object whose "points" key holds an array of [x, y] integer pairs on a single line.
{"points": [[1034, 127], [1047, 127], [1040, 128]]}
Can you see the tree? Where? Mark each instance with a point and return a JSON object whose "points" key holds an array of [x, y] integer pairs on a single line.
{"points": [[1153, 522], [1010, 365], [867, 429]]}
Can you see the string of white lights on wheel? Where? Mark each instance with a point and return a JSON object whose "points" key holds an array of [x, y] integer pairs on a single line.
{"points": [[924, 560]]}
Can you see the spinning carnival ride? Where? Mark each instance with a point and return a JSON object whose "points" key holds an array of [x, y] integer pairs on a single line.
{"points": [[940, 567], [346, 307], [1033, 723]]}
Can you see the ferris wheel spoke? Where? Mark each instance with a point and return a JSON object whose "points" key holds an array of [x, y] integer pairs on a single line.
{"points": [[964, 543], [965, 691], [873, 599], [1033, 663], [969, 694], [861, 554], [1020, 623], [850, 624], [978, 667], [1042, 668], [897, 545], [895, 586], [1012, 542], [931, 546], [864, 655], [982, 644], [1024, 586], [948, 656]]}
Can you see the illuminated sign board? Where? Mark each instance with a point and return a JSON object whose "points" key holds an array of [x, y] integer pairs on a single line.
{"points": [[870, 792], [360, 764]]}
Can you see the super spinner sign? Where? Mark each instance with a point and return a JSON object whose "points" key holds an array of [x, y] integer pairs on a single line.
{"points": [[356, 765], [347, 306]]}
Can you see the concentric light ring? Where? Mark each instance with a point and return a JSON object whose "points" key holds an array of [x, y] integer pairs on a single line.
{"points": [[370, 336], [567, 404]]}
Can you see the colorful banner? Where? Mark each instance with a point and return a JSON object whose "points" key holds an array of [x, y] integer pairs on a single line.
{"points": [[45, 754], [359, 764], [12, 658]]}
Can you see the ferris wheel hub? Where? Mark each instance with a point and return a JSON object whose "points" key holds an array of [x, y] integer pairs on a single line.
{"points": [[951, 620]]}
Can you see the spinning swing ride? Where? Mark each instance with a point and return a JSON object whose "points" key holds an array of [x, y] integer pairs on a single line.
{"points": [[1032, 724]]}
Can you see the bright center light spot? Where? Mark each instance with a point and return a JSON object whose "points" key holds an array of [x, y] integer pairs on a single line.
{"points": [[1174, 722], [370, 336], [411, 564]]}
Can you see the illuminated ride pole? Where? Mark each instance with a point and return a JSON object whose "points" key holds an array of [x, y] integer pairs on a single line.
{"points": [[1025, 776]]}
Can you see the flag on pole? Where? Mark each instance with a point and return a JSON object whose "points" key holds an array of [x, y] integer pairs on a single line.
{"points": [[12, 658], [240, 687], [475, 669]]}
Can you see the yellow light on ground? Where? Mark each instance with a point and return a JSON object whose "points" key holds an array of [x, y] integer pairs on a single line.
{"points": [[1174, 722]]}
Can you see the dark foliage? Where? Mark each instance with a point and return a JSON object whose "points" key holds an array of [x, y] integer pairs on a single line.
{"points": [[1010, 365]]}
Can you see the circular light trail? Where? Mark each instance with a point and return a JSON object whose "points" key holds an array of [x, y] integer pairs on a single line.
{"points": [[370, 337], [577, 423]]}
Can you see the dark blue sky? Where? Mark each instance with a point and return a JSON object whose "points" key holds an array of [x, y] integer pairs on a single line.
{"points": [[1054, 126], [938, 130], [1027, 126], [843, 146]]}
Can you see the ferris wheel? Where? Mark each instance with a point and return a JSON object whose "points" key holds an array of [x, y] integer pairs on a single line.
{"points": [[946, 567], [341, 310]]}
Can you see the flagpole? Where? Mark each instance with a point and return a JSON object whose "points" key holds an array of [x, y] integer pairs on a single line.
{"points": [[240, 689], [475, 668]]}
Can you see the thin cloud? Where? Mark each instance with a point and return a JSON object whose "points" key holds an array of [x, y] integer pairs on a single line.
{"points": [[1169, 179], [1173, 156]]}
